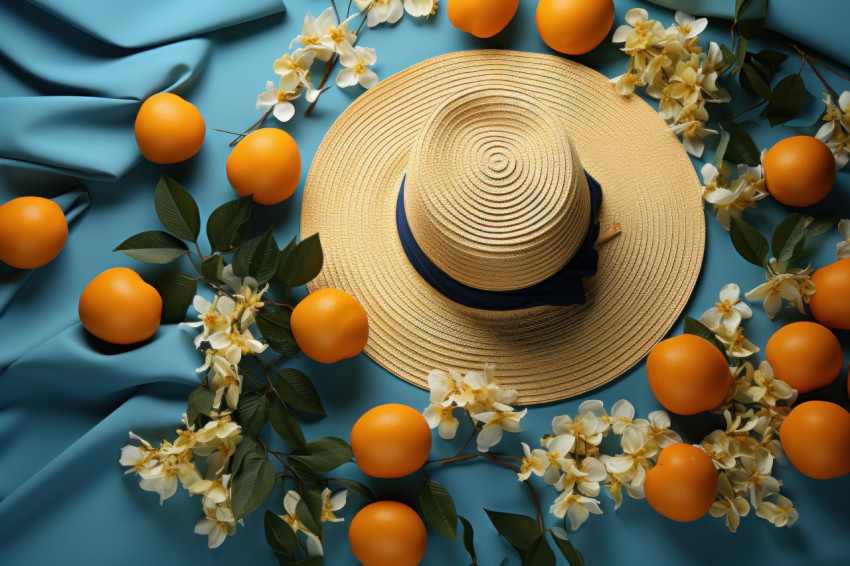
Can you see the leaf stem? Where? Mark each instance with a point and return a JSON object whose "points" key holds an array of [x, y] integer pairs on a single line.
{"points": [[741, 113]]}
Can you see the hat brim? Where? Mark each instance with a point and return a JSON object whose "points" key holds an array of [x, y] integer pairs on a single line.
{"points": [[645, 275]]}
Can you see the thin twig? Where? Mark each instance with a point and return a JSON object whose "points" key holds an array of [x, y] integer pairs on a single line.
{"points": [[336, 12], [468, 440], [251, 127], [823, 80], [739, 114], [325, 75], [828, 68], [807, 59]]}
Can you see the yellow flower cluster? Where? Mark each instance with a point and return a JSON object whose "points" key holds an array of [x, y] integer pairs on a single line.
{"points": [[160, 469], [570, 459], [724, 319], [488, 404], [744, 452], [835, 132], [731, 197], [674, 70], [225, 324], [783, 283]]}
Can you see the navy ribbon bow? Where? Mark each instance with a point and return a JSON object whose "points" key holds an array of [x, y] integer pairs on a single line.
{"points": [[563, 288]]}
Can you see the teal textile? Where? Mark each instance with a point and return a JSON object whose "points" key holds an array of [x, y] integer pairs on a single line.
{"points": [[820, 24], [72, 74]]}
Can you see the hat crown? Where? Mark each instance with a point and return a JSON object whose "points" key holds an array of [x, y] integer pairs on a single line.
{"points": [[495, 194]]}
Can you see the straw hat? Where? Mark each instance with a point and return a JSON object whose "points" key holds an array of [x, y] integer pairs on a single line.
{"points": [[487, 163]]}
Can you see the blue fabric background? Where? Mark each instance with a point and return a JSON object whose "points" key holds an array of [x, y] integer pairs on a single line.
{"points": [[71, 77]]}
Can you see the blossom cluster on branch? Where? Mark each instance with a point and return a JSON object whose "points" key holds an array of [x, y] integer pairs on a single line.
{"points": [[488, 404], [674, 70], [225, 325], [835, 132], [571, 460], [730, 197], [328, 38]]}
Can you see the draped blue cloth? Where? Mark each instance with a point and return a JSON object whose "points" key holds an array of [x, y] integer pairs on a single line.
{"points": [[72, 74], [562, 288], [821, 25]]}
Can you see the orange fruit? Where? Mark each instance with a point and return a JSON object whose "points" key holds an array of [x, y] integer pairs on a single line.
{"points": [[329, 325], [688, 374], [682, 484], [266, 164], [806, 355], [33, 231], [574, 27], [391, 441], [169, 129], [799, 171], [481, 18], [816, 438], [119, 307], [387, 533], [831, 302]]}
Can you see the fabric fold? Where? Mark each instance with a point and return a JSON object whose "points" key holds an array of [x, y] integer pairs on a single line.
{"points": [[142, 24]]}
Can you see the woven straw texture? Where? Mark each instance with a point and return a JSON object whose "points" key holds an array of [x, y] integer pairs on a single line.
{"points": [[650, 188]]}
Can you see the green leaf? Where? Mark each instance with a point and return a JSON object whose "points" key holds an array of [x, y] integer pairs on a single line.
{"points": [[200, 403], [177, 291], [247, 446], [519, 530], [728, 60], [325, 454], [468, 543], [695, 327], [253, 412], [355, 486], [540, 553], [284, 253], [750, 28], [753, 83], [740, 54], [297, 390], [211, 269], [176, 209], [438, 508], [720, 152], [274, 326], [252, 485], [285, 424], [789, 237], [771, 59], [741, 7], [819, 226], [257, 258], [742, 148], [228, 224], [155, 246], [279, 535], [309, 510], [312, 561], [304, 262], [570, 552], [787, 99], [751, 245]]}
